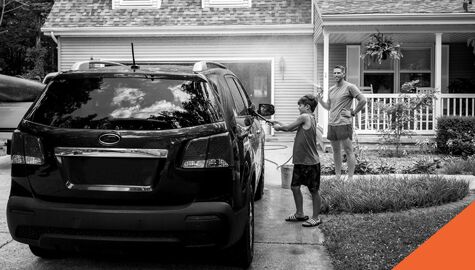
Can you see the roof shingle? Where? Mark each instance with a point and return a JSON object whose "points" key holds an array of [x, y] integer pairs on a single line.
{"points": [[99, 13], [333, 7]]}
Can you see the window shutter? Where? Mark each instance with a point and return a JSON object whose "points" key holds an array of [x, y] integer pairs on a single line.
{"points": [[445, 69], [353, 73]]}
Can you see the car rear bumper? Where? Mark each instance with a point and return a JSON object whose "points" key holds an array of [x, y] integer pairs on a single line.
{"points": [[60, 225]]}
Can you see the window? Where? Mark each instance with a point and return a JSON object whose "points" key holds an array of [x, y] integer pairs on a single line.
{"points": [[117, 4], [226, 3], [125, 103], [390, 75], [255, 78], [416, 65], [379, 76], [240, 106]]}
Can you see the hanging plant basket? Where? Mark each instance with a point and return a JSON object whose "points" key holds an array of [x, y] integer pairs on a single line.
{"points": [[380, 47]]}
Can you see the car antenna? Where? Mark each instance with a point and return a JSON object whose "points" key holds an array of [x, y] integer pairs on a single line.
{"points": [[134, 67]]}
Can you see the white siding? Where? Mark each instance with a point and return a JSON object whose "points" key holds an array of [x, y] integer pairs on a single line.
{"points": [[296, 51]]}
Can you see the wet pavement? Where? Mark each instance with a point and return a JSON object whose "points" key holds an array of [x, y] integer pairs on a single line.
{"points": [[278, 244]]}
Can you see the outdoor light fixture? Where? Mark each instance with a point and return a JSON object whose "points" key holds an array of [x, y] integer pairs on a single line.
{"points": [[282, 66]]}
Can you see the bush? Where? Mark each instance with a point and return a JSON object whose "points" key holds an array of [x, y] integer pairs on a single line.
{"points": [[422, 165], [456, 165], [387, 193], [456, 135]]}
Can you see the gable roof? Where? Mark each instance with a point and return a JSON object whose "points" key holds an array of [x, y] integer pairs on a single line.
{"points": [[99, 13], [342, 7]]}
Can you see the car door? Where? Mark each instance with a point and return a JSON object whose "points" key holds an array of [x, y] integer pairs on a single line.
{"points": [[248, 127]]}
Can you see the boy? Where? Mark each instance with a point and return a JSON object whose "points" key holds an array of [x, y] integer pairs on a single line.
{"points": [[305, 158]]}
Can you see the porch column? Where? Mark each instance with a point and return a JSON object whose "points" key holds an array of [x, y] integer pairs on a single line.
{"points": [[438, 75], [323, 117]]}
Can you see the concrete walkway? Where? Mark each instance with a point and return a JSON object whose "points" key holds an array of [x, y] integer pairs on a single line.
{"points": [[302, 247]]}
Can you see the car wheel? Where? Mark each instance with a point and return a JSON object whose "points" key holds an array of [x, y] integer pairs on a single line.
{"points": [[243, 251], [46, 253], [260, 187]]}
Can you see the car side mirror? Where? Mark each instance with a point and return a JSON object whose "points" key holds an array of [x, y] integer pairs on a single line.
{"points": [[266, 109]]}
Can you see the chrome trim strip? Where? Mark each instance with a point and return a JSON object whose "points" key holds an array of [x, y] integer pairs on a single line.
{"points": [[110, 152], [121, 188]]}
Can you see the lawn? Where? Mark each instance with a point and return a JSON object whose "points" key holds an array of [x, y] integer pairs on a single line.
{"points": [[380, 241]]}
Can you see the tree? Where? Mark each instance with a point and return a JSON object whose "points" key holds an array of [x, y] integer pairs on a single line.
{"points": [[403, 113], [24, 51]]}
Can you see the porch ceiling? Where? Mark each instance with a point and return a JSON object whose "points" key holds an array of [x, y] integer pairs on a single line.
{"points": [[357, 38]]}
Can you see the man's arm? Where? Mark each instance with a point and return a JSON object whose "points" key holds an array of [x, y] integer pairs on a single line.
{"points": [[325, 105], [361, 102]]}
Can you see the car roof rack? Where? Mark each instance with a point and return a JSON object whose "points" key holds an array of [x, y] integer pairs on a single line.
{"points": [[204, 65]]}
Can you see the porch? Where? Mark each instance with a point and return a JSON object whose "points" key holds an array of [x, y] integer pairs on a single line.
{"points": [[372, 119], [434, 53]]}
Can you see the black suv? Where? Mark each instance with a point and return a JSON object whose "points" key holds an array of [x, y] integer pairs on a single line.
{"points": [[169, 155]]}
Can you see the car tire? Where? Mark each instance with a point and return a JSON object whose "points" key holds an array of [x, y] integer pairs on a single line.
{"points": [[46, 253], [260, 186], [242, 252]]}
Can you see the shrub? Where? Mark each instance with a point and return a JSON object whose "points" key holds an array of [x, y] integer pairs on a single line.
{"points": [[386, 193], [422, 165], [456, 165], [456, 135]]}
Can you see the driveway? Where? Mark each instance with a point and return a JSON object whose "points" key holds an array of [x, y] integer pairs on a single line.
{"points": [[279, 244]]}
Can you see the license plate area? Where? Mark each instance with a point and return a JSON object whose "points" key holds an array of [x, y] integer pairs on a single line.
{"points": [[133, 170]]}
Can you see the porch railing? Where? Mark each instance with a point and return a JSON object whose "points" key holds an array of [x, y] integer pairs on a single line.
{"points": [[372, 119]]}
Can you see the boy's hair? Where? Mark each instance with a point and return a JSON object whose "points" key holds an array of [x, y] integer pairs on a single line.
{"points": [[309, 100], [343, 68]]}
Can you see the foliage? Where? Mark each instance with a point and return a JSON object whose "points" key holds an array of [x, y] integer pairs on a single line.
{"points": [[380, 47], [380, 241], [456, 135], [426, 146], [388, 193], [409, 87], [401, 114], [25, 51], [422, 165], [457, 165]]}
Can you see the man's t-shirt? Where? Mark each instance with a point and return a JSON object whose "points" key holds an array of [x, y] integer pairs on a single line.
{"points": [[341, 98]]}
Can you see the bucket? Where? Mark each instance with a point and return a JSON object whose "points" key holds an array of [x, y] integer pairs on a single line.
{"points": [[286, 174]]}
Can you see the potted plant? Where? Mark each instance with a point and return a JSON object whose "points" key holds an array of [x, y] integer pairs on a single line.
{"points": [[380, 47]]}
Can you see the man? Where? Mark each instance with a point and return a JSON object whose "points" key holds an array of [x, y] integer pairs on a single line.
{"points": [[340, 118]]}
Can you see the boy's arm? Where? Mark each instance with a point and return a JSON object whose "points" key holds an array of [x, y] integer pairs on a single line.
{"points": [[292, 126]]}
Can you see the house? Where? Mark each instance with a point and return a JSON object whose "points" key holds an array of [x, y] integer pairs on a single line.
{"points": [[282, 48]]}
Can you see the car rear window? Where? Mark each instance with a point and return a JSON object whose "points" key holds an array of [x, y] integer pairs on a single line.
{"points": [[126, 103]]}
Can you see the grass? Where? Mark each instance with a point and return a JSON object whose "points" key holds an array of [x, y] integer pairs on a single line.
{"points": [[388, 193], [380, 241]]}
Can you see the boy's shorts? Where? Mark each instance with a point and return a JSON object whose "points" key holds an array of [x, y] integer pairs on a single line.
{"points": [[307, 175], [340, 133]]}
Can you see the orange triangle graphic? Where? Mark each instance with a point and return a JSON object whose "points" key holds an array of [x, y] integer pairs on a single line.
{"points": [[452, 247]]}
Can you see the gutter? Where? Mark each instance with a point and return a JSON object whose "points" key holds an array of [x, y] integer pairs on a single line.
{"points": [[399, 19], [228, 30]]}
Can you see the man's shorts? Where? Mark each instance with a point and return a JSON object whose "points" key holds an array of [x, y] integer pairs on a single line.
{"points": [[307, 175], [340, 133]]}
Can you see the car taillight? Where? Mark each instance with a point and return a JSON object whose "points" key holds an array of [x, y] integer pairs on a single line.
{"points": [[26, 149], [208, 152]]}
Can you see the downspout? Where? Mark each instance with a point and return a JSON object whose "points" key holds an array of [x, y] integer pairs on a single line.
{"points": [[53, 37]]}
